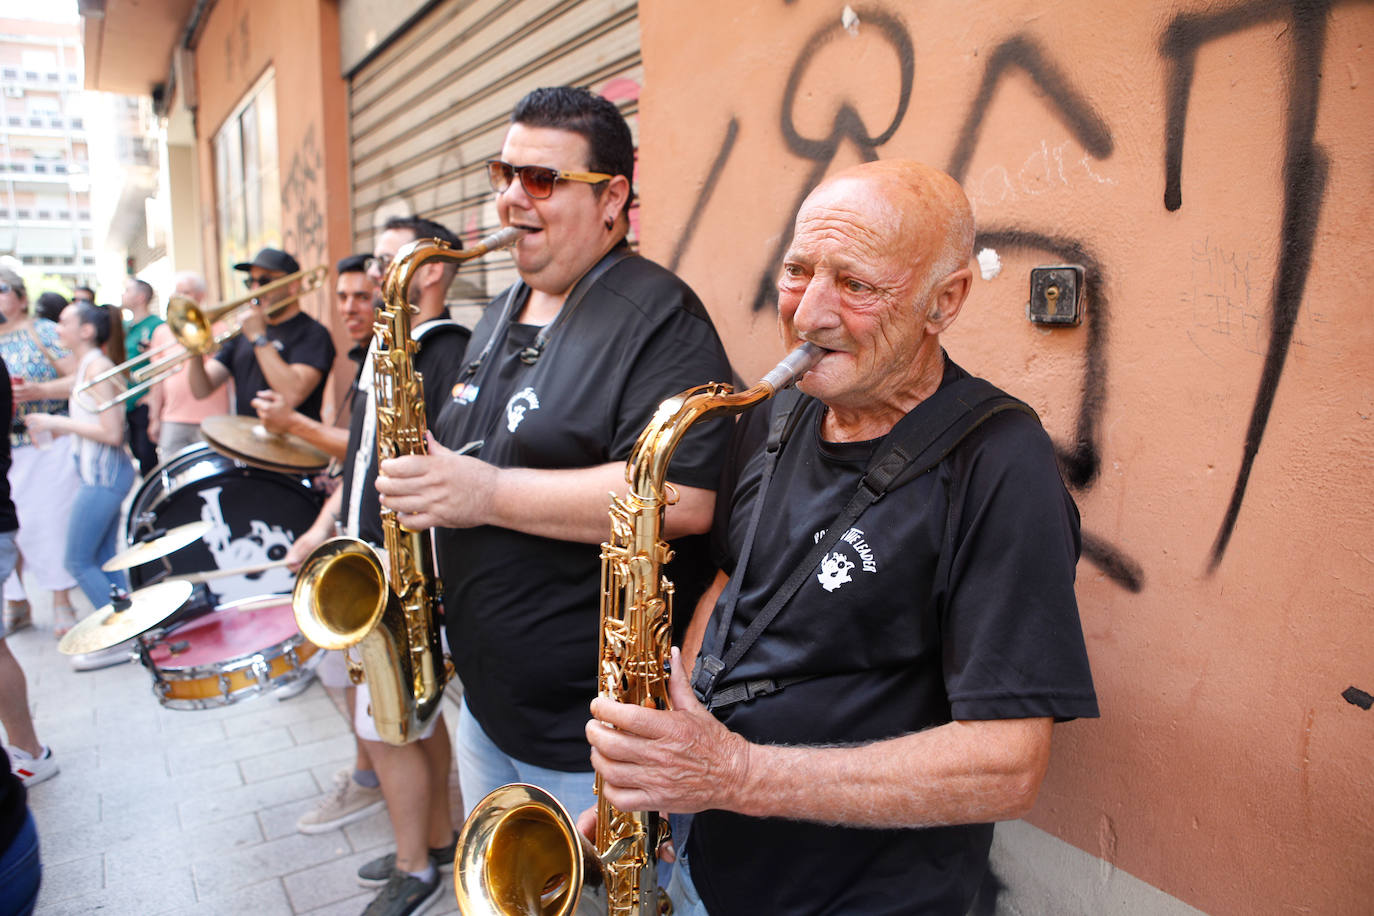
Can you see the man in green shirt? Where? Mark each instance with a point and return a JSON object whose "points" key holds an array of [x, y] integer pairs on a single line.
{"points": [[139, 323]]}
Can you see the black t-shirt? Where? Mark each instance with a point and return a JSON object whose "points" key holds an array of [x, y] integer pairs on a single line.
{"points": [[523, 610], [9, 519], [438, 361], [950, 598], [303, 341]]}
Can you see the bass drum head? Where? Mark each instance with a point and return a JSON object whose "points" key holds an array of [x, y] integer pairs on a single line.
{"points": [[255, 516]]}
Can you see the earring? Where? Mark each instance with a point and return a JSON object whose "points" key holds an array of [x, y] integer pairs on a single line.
{"points": [[610, 224]]}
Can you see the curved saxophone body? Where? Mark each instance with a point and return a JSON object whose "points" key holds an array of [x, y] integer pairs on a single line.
{"points": [[519, 851], [347, 595]]}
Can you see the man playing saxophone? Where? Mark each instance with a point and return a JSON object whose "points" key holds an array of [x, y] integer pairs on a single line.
{"points": [[562, 373], [414, 776], [879, 671]]}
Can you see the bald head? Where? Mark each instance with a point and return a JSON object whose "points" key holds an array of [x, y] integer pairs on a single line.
{"points": [[910, 207]]}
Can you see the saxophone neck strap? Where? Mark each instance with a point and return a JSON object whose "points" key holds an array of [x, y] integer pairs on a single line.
{"points": [[918, 443]]}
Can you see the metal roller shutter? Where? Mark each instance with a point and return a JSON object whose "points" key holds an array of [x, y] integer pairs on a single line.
{"points": [[432, 106]]}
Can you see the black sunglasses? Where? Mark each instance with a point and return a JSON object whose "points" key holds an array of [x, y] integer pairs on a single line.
{"points": [[251, 282], [537, 180]]}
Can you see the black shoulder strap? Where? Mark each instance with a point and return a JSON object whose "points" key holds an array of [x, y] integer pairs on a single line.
{"points": [[919, 442]]}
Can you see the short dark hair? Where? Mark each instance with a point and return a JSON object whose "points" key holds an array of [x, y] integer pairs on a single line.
{"points": [[423, 229], [611, 148], [145, 288], [353, 264], [50, 305], [84, 289]]}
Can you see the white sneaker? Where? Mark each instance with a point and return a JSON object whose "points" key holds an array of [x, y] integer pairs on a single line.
{"points": [[348, 802], [33, 770]]}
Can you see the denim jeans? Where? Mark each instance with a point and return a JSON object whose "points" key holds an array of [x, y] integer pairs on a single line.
{"points": [[683, 892], [482, 767], [93, 536], [20, 871]]}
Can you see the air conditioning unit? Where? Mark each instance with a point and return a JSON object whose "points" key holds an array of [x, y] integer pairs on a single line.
{"points": [[14, 92]]}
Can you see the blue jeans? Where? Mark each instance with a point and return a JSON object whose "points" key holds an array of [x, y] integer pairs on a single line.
{"points": [[683, 893], [482, 767], [93, 536], [20, 871]]}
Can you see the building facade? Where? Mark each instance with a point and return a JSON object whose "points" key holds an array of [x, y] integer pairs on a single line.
{"points": [[45, 169]]}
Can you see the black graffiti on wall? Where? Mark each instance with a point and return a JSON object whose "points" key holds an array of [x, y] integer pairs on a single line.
{"points": [[1305, 170], [302, 209], [1304, 177]]}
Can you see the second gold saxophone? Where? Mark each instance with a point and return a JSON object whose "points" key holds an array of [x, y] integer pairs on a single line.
{"points": [[345, 595], [519, 852]]}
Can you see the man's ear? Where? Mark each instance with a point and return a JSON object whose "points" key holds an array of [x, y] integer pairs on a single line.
{"points": [[947, 300], [614, 196]]}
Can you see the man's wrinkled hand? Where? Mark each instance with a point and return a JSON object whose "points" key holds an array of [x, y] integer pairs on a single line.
{"points": [[276, 415], [681, 760]]}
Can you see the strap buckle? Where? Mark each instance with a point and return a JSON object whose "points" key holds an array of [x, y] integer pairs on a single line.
{"points": [[704, 676]]}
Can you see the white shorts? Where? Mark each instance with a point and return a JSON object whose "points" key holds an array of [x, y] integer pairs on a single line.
{"points": [[363, 724], [333, 670]]}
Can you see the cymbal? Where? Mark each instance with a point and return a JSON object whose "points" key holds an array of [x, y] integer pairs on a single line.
{"points": [[107, 627], [246, 439], [146, 552]]}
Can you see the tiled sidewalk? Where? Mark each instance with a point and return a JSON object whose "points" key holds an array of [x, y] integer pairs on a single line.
{"points": [[164, 811]]}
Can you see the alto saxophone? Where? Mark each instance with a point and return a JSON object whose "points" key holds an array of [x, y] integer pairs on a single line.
{"points": [[519, 852], [345, 595]]}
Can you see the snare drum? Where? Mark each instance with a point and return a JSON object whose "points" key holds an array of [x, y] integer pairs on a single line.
{"points": [[255, 514], [244, 649]]}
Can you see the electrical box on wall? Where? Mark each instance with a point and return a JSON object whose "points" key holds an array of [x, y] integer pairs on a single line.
{"points": [[1056, 295]]}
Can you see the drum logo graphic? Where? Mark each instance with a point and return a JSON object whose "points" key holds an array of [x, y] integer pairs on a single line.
{"points": [[263, 544]]}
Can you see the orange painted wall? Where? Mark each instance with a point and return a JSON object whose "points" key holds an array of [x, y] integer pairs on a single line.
{"points": [[299, 40], [1225, 226]]}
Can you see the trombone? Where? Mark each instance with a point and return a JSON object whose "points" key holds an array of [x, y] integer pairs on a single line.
{"points": [[193, 328]]}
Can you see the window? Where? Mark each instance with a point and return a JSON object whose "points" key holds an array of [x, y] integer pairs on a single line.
{"points": [[22, 213], [247, 183], [76, 123], [14, 121], [40, 167], [45, 214], [10, 73], [60, 168]]}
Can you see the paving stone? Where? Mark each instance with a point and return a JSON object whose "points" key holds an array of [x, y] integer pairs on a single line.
{"points": [[152, 853], [66, 880], [308, 707], [248, 866], [59, 846], [183, 760], [222, 805], [326, 883], [335, 751], [265, 899], [161, 892], [280, 820]]}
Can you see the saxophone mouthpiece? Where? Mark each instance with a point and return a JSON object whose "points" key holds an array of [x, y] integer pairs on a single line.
{"points": [[501, 238], [793, 366]]}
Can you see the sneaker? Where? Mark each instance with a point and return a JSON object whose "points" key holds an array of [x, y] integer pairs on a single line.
{"points": [[33, 770], [377, 872], [404, 895], [348, 802], [18, 615]]}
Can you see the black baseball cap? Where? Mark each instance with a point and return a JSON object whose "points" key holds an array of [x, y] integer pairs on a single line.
{"points": [[354, 263], [271, 259]]}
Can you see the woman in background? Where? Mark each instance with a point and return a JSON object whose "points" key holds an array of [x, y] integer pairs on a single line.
{"points": [[105, 468], [42, 480]]}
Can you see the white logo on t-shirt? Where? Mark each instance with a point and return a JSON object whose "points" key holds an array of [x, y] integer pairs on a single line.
{"points": [[516, 410], [836, 566]]}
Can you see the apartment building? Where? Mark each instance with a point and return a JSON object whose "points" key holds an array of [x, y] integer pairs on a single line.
{"points": [[45, 180]]}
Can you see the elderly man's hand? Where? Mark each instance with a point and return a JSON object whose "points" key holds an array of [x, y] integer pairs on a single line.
{"points": [[440, 490], [680, 760], [276, 415]]}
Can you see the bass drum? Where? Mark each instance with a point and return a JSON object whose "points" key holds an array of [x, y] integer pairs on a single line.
{"points": [[254, 514]]}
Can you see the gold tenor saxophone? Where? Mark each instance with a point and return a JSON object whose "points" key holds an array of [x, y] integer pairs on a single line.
{"points": [[344, 596], [519, 852]]}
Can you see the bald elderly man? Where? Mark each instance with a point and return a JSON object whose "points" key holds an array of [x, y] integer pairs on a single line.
{"points": [[853, 756]]}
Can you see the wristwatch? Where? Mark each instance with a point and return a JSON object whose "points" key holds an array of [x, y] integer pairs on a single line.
{"points": [[261, 341]]}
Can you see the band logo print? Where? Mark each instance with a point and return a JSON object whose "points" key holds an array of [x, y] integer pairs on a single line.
{"points": [[852, 552], [520, 403]]}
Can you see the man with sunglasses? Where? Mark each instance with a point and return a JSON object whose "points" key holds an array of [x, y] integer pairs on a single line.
{"points": [[287, 351], [563, 372]]}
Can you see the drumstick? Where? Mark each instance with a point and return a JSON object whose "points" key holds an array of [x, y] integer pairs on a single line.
{"points": [[240, 571]]}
